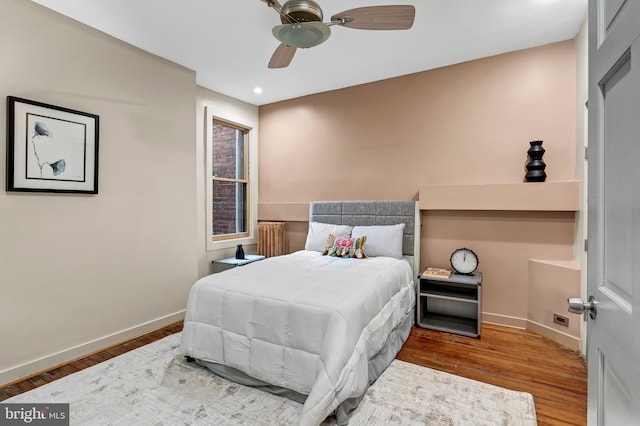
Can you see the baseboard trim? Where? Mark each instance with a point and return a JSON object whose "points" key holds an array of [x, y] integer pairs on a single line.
{"points": [[49, 362], [564, 339], [504, 320]]}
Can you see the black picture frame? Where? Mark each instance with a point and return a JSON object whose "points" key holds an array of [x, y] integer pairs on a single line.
{"points": [[51, 148]]}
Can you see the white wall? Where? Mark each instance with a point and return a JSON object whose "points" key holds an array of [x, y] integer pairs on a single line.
{"points": [[80, 272]]}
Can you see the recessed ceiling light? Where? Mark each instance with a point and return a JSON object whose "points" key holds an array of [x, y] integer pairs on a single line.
{"points": [[257, 90]]}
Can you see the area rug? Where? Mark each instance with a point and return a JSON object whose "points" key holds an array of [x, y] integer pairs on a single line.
{"points": [[154, 385]]}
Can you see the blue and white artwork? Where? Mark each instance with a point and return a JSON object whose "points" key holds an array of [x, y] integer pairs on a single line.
{"points": [[55, 149]]}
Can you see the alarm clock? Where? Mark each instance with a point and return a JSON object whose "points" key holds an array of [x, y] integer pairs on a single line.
{"points": [[464, 261]]}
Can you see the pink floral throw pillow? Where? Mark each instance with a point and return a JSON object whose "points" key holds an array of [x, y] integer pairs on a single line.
{"points": [[345, 247]]}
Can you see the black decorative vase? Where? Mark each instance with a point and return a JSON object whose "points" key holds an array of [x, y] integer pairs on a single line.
{"points": [[535, 167], [239, 252]]}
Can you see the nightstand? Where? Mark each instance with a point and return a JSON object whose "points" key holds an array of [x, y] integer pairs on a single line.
{"points": [[451, 304], [231, 262]]}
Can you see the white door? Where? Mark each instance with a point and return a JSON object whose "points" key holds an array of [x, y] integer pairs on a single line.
{"points": [[613, 337]]}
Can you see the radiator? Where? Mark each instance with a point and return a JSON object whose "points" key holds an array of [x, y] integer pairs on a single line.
{"points": [[271, 241]]}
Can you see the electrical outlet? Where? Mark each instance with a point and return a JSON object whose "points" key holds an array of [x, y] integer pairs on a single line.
{"points": [[562, 320]]}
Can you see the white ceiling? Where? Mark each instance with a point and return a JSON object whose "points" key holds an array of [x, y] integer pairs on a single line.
{"points": [[229, 42]]}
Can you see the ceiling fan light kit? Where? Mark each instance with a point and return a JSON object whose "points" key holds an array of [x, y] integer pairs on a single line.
{"points": [[305, 34], [302, 25]]}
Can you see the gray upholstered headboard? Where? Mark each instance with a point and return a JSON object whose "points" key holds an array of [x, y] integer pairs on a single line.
{"points": [[374, 213]]}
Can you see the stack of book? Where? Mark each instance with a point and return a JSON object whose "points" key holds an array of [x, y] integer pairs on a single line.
{"points": [[437, 272]]}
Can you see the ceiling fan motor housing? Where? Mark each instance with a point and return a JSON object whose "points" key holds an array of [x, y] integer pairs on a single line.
{"points": [[301, 11]]}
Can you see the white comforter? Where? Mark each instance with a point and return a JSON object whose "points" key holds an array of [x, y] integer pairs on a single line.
{"points": [[303, 321]]}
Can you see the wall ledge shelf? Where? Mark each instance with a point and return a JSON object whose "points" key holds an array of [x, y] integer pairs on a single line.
{"points": [[564, 264], [524, 196]]}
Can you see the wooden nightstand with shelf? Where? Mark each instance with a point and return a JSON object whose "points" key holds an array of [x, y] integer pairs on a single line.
{"points": [[231, 262], [451, 304]]}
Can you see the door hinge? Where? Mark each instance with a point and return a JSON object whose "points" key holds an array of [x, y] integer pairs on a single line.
{"points": [[586, 153], [586, 245]]}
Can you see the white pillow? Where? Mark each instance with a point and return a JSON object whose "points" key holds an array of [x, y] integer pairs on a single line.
{"points": [[319, 232], [382, 240]]}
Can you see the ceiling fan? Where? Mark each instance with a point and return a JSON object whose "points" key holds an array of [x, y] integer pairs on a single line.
{"points": [[302, 25]]}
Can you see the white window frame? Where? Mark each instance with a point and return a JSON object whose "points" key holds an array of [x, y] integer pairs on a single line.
{"points": [[251, 170]]}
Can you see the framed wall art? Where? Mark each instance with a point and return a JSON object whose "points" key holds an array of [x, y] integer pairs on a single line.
{"points": [[51, 148]]}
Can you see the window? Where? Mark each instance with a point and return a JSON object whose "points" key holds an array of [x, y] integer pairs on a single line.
{"points": [[230, 181]]}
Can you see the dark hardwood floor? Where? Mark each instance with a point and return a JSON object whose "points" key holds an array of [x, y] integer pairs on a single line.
{"points": [[514, 359], [33, 382], [503, 356]]}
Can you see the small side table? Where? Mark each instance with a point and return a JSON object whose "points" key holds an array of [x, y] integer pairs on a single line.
{"points": [[231, 262], [451, 304]]}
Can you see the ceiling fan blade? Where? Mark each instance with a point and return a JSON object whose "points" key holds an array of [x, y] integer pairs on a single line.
{"points": [[392, 17], [282, 56]]}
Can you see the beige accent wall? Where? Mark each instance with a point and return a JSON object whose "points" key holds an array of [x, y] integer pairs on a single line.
{"points": [[81, 272], [550, 285], [465, 124]]}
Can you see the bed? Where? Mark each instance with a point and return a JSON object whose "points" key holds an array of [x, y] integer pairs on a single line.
{"points": [[315, 326]]}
